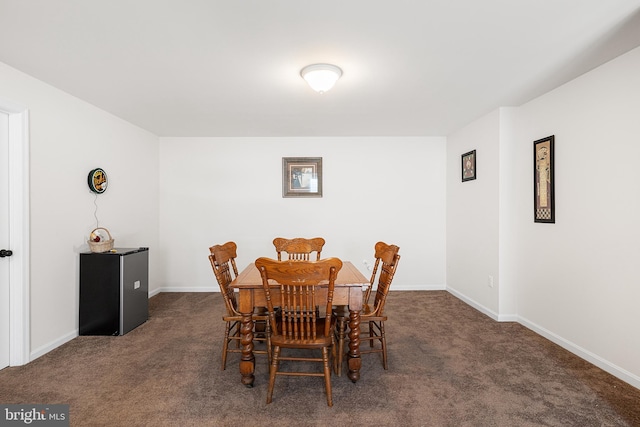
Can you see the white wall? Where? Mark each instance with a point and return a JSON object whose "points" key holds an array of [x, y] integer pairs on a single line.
{"points": [[68, 138], [473, 215], [217, 189], [578, 282], [573, 281]]}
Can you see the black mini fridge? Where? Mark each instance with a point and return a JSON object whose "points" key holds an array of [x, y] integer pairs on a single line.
{"points": [[114, 291]]}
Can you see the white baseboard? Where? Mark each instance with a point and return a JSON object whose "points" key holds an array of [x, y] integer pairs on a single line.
{"points": [[400, 287], [481, 308], [598, 361], [180, 289], [601, 363], [41, 351]]}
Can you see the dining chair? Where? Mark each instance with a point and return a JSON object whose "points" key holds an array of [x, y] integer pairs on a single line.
{"points": [[222, 258], [302, 286], [387, 259], [298, 248]]}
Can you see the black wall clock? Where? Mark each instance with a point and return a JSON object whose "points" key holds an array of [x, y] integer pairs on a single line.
{"points": [[97, 181]]}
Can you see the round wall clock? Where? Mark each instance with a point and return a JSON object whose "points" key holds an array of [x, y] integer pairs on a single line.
{"points": [[97, 181]]}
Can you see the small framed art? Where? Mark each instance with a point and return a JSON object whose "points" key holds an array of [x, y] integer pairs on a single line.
{"points": [[543, 181], [469, 166], [302, 177]]}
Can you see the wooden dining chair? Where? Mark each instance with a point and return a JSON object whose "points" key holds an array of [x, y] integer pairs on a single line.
{"points": [[298, 248], [372, 315], [222, 258], [301, 286]]}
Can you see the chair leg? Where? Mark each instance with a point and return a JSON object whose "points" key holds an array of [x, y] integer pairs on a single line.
{"points": [[327, 375], [225, 346], [268, 338], [272, 372], [371, 333], [334, 346], [340, 353], [383, 340]]}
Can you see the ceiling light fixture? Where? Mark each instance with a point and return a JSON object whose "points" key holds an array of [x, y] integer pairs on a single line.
{"points": [[321, 77]]}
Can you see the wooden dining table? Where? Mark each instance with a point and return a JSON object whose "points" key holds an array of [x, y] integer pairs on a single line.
{"points": [[348, 291]]}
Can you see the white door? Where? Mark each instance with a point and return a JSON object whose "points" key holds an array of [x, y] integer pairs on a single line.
{"points": [[4, 241]]}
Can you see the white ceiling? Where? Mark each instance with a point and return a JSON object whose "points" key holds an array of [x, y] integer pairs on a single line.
{"points": [[231, 68]]}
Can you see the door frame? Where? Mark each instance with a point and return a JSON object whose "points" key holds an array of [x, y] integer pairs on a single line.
{"points": [[19, 226]]}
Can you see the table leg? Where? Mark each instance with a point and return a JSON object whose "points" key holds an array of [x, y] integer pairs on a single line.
{"points": [[248, 360], [353, 357]]}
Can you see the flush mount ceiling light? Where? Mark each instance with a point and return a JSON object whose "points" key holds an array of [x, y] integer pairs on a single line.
{"points": [[321, 77]]}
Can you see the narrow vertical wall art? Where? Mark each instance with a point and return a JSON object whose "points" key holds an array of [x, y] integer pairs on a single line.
{"points": [[543, 180], [469, 166]]}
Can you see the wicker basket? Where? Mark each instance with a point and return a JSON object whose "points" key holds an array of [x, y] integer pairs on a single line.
{"points": [[103, 245]]}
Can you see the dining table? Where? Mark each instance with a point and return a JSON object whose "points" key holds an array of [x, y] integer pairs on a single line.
{"points": [[348, 291]]}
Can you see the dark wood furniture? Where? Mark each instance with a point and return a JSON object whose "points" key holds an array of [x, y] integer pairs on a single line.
{"points": [[348, 292], [298, 248], [303, 286], [387, 258], [223, 263]]}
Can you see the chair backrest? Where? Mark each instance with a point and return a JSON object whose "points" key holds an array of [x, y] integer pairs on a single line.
{"points": [[223, 262], [387, 259], [299, 248], [298, 282]]}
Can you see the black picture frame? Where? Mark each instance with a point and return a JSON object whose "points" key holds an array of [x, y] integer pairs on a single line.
{"points": [[469, 168], [302, 177], [544, 202]]}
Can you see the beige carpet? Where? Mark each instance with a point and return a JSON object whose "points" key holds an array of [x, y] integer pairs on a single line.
{"points": [[449, 365]]}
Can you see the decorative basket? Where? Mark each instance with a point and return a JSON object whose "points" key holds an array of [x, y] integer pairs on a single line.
{"points": [[102, 245]]}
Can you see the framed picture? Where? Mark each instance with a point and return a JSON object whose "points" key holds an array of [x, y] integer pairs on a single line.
{"points": [[543, 181], [469, 166], [302, 177]]}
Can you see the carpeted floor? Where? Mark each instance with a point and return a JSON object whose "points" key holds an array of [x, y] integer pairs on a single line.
{"points": [[449, 365]]}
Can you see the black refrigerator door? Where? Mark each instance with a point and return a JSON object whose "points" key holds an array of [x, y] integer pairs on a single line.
{"points": [[99, 295], [135, 290]]}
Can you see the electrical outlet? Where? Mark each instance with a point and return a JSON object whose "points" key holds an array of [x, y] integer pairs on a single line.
{"points": [[366, 263], [490, 281], [136, 284]]}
